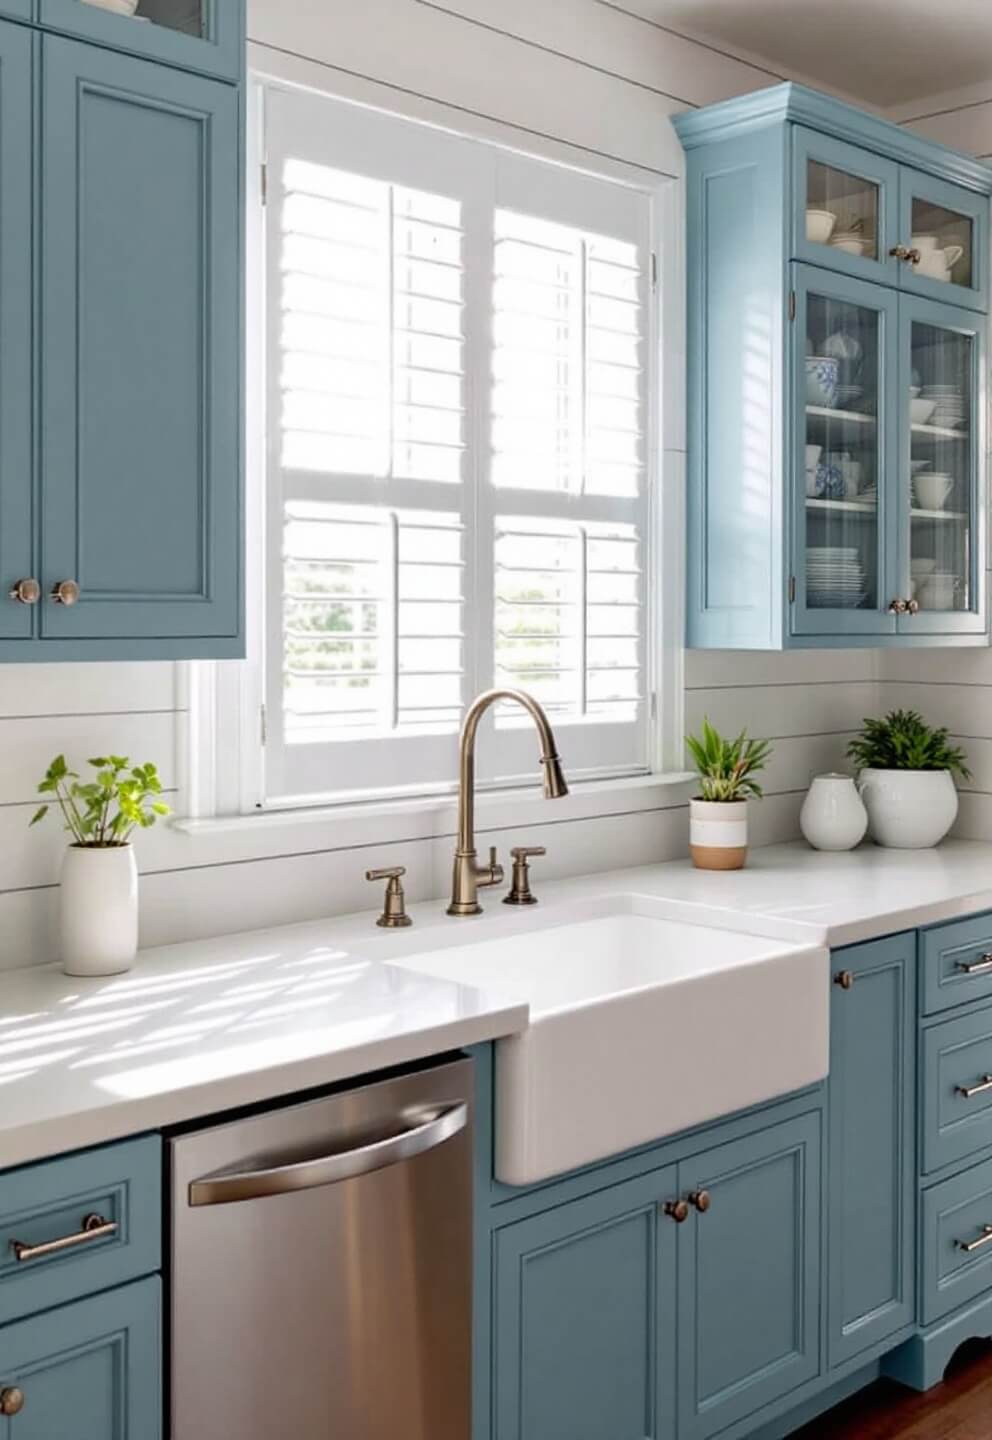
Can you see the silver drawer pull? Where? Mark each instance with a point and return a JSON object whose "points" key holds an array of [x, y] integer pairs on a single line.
{"points": [[429, 1129], [969, 1090], [982, 966], [984, 1239], [94, 1227]]}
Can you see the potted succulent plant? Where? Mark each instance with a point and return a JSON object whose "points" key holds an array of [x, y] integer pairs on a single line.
{"points": [[99, 895], [906, 778], [718, 815]]}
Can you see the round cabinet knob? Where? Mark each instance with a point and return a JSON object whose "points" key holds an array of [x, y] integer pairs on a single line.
{"points": [[66, 592], [677, 1210], [912, 607], [702, 1200], [26, 592], [844, 979], [11, 1400], [898, 607]]}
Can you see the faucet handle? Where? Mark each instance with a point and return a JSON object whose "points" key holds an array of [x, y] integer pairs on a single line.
{"points": [[394, 916], [520, 891]]}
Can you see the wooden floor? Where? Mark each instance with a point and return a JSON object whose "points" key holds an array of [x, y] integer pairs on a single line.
{"points": [[960, 1409]]}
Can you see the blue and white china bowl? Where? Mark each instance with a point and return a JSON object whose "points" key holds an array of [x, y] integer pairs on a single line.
{"points": [[822, 380], [829, 481]]}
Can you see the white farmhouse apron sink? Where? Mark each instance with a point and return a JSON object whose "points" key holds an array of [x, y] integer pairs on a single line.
{"points": [[640, 1027]]}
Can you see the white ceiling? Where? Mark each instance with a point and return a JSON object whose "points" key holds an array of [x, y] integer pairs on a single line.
{"points": [[885, 52]]}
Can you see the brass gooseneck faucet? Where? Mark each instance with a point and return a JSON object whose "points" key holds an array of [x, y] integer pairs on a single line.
{"points": [[469, 876]]}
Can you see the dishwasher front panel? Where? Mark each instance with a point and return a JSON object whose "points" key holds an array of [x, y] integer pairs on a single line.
{"points": [[321, 1268]]}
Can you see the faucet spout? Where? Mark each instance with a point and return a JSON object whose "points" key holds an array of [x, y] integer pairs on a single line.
{"points": [[469, 876]]}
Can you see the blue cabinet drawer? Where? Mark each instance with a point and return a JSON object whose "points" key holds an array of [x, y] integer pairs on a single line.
{"points": [[73, 1226], [956, 1214], [957, 1089], [89, 1371], [956, 964]]}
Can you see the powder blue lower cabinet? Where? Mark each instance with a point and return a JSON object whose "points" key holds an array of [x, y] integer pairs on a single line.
{"points": [[872, 1109], [89, 1370]]}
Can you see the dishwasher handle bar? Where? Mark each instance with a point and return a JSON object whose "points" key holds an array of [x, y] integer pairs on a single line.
{"points": [[435, 1127]]}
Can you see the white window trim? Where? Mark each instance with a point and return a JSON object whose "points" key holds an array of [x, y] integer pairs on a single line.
{"points": [[220, 759]]}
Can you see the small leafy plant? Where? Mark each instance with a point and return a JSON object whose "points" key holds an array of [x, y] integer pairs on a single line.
{"points": [[103, 813], [727, 767], [904, 741]]}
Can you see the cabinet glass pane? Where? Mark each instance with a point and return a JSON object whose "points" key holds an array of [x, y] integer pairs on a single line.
{"points": [[940, 483], [842, 394], [189, 16], [945, 241], [841, 210]]}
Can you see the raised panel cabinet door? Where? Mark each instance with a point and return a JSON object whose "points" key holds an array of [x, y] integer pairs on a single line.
{"points": [[872, 1110], [88, 1371], [141, 267], [584, 1323], [749, 1275], [205, 35], [16, 548]]}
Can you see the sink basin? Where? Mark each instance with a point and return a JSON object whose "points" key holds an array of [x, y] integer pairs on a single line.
{"points": [[640, 1027]]}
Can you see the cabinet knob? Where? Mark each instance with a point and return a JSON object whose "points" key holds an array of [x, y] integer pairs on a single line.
{"points": [[900, 252], [25, 592], [677, 1210], [701, 1199], [898, 607], [65, 592], [912, 607], [844, 979], [11, 1400]]}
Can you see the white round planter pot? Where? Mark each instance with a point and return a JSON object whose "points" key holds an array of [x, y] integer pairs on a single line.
{"points": [[98, 910], [718, 834], [909, 809], [833, 816]]}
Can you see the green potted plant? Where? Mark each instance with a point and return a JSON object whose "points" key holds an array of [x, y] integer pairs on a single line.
{"points": [[906, 778], [718, 815], [99, 893]]}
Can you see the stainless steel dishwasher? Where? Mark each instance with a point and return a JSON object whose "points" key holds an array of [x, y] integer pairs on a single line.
{"points": [[322, 1264]]}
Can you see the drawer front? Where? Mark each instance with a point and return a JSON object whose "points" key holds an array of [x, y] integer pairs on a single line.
{"points": [[957, 964], [78, 1225], [957, 1090], [957, 1213]]}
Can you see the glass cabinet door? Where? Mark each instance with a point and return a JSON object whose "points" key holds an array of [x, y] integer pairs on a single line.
{"points": [[845, 445], [847, 207], [205, 35], [944, 229], [941, 567]]}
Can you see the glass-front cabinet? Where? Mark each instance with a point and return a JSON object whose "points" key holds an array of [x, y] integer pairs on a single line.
{"points": [[838, 387], [205, 35]]}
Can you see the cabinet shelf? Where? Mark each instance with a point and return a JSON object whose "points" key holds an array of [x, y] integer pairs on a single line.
{"points": [[857, 507], [938, 432]]}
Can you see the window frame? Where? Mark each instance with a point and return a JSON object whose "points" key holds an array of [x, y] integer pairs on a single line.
{"points": [[222, 760]]}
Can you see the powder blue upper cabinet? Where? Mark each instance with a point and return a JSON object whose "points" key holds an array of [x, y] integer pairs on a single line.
{"points": [[584, 1318], [872, 1172], [749, 1275], [19, 9], [140, 364], [837, 425], [205, 35], [16, 543]]}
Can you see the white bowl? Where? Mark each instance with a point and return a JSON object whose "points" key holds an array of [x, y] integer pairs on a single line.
{"points": [[820, 225], [920, 411], [921, 566], [117, 7], [850, 244], [937, 592], [932, 490]]}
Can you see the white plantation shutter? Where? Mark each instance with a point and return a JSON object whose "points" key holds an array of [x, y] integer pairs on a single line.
{"points": [[456, 489]]}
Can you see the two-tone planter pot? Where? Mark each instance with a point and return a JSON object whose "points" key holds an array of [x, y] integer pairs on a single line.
{"points": [[718, 834]]}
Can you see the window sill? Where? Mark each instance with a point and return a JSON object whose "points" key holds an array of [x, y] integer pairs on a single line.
{"points": [[342, 827]]}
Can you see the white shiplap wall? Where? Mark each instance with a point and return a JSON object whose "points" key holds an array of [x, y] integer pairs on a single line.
{"points": [[574, 78]]}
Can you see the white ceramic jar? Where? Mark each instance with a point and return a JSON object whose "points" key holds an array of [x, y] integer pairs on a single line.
{"points": [[833, 816], [98, 910], [718, 834], [909, 809]]}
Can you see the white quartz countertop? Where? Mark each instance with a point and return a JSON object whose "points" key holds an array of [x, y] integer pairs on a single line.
{"points": [[198, 1028]]}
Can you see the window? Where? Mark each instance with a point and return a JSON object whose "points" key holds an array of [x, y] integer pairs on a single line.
{"points": [[457, 480]]}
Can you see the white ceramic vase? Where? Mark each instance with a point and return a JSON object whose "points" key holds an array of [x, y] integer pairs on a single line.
{"points": [[833, 816], [909, 809], [98, 910], [718, 834]]}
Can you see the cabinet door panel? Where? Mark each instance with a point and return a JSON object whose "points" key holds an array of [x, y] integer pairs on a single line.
{"points": [[206, 35], [584, 1344], [749, 1276], [140, 267], [847, 207], [947, 230], [90, 1370], [872, 1110], [16, 547], [19, 9]]}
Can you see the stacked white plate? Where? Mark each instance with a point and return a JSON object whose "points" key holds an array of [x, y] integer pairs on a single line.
{"points": [[951, 403], [835, 577]]}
